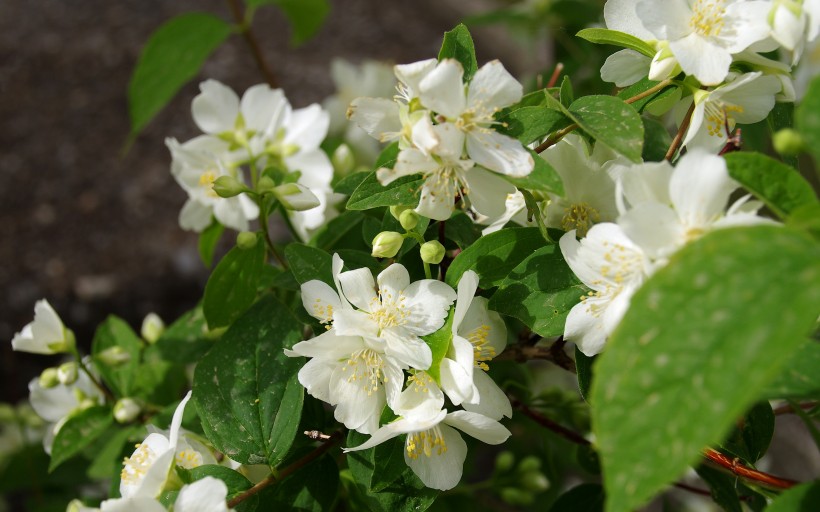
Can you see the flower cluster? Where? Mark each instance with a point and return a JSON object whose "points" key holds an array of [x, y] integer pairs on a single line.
{"points": [[373, 354], [445, 131], [260, 132], [661, 208]]}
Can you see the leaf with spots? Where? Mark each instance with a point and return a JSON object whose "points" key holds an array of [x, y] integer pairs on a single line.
{"points": [[79, 430], [800, 378], [701, 339], [609, 120], [246, 390]]}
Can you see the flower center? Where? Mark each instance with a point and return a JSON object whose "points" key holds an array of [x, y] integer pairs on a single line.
{"points": [[707, 17], [135, 466], [425, 442], [482, 350], [623, 263], [389, 311], [189, 459], [420, 381], [718, 116], [207, 182], [324, 312], [366, 366], [580, 217]]}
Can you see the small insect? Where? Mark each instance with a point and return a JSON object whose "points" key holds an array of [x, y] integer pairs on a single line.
{"points": [[734, 142]]}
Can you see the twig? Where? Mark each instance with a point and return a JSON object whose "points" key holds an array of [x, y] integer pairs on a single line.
{"points": [[281, 475], [788, 409], [555, 74], [676, 142], [555, 137], [253, 44], [545, 422], [747, 473], [652, 90]]}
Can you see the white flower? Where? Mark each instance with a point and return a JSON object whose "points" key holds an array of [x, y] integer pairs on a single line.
{"points": [[46, 334], [396, 313], [145, 472], [703, 34], [447, 175], [56, 404], [613, 267], [694, 203], [478, 336], [434, 450], [793, 24], [589, 191], [747, 99], [625, 67], [196, 165], [206, 495], [515, 209], [471, 111]]}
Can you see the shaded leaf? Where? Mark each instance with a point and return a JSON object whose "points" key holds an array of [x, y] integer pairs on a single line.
{"points": [[231, 289], [80, 430]]}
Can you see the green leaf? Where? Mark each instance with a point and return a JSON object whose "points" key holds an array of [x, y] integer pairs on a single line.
{"points": [[616, 38], [459, 228], [171, 57], [540, 291], [493, 256], [806, 218], [371, 194], [405, 493], [187, 339], [543, 177], [659, 101], [208, 240], [246, 390], [609, 120], [807, 119], [712, 314], [782, 116], [656, 140], [799, 377], [234, 481], [439, 343], [309, 263], [349, 183], [565, 94], [80, 430], [458, 45], [581, 498], [529, 124], [802, 498], [722, 487], [751, 438], [306, 17], [311, 489], [115, 332], [339, 231], [231, 289], [778, 185], [109, 454]]}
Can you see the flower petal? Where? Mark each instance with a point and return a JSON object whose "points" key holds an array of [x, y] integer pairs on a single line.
{"points": [[491, 89], [320, 300], [428, 302], [307, 127], [494, 402], [499, 153], [263, 108], [215, 108], [205, 495], [476, 425], [467, 286], [442, 90], [379, 117], [487, 191], [625, 67], [359, 287], [442, 469]]}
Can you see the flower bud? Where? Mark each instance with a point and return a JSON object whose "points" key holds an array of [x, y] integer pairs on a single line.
{"points": [[49, 379], [228, 186], [246, 240], [504, 462], [152, 328], [7, 414], [296, 197], [387, 244], [432, 252], [664, 64], [126, 410], [534, 481], [78, 506], [343, 160], [788, 142], [529, 464], [409, 219], [114, 356], [67, 373], [515, 496], [265, 185], [397, 209]]}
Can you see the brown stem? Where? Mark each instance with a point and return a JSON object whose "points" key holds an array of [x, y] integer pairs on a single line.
{"points": [[253, 44], [555, 137], [554, 354], [673, 148], [555, 74], [281, 475], [738, 468], [788, 409], [545, 422]]}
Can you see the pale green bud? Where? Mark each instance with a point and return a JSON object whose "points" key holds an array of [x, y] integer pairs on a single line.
{"points": [[78, 506], [397, 209], [535, 481], [504, 462], [432, 252], [296, 197], [788, 142], [409, 219], [228, 186], [387, 244], [126, 410], [265, 185], [515, 496], [246, 240], [529, 464], [152, 328], [114, 356], [67, 373], [343, 160], [49, 379]]}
